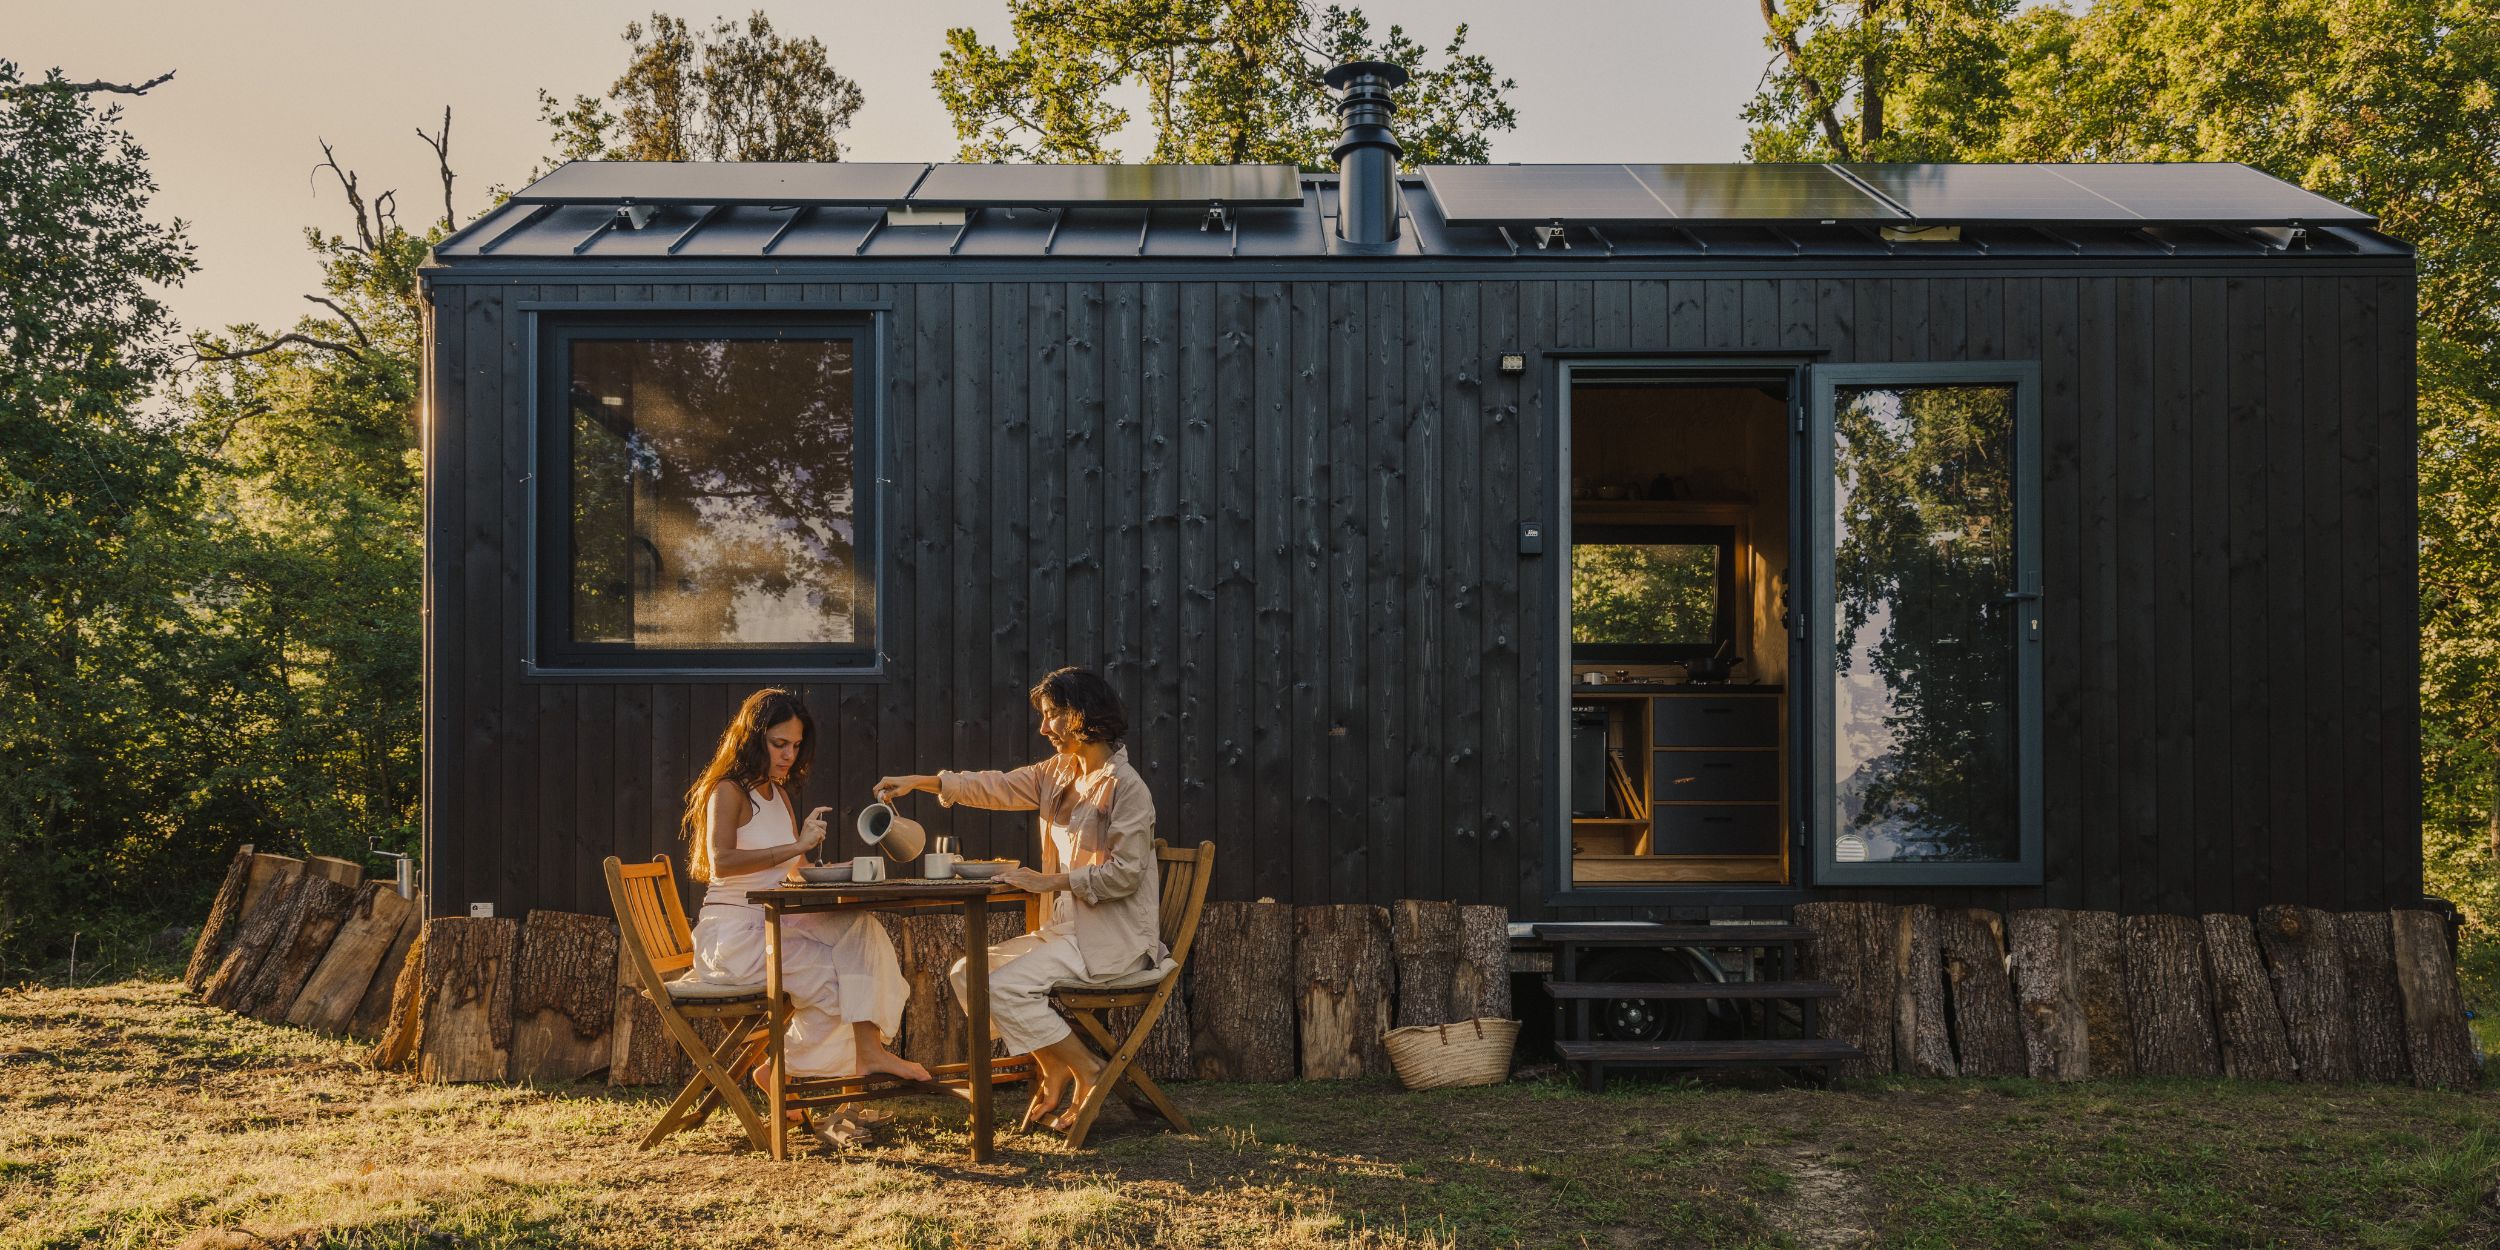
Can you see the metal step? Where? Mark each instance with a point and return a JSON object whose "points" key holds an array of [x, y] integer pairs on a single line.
{"points": [[1782, 990], [1675, 935], [1728, 1053]]}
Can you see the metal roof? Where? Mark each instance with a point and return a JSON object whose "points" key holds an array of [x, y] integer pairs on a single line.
{"points": [[718, 212]]}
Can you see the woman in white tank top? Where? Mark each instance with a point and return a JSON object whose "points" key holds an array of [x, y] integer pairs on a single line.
{"points": [[846, 988]]}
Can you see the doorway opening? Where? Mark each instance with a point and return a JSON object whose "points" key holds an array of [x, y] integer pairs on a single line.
{"points": [[1681, 490]]}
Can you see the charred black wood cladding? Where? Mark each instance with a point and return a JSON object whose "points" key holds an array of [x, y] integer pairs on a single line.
{"points": [[1280, 514]]}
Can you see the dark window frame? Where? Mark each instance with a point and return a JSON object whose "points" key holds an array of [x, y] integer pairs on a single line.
{"points": [[1631, 533], [551, 650]]}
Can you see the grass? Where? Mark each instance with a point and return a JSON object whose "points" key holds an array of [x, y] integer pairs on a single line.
{"points": [[131, 1116]]}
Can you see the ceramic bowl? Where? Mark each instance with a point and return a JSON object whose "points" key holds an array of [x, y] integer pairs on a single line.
{"points": [[982, 869], [825, 874]]}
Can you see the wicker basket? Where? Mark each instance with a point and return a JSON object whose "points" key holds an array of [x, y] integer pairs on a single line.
{"points": [[1466, 1052]]}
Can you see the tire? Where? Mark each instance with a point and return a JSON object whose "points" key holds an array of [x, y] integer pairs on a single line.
{"points": [[1647, 1019]]}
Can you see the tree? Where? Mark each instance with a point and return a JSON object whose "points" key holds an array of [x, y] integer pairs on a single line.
{"points": [[1879, 80], [1226, 81], [730, 93], [93, 498]]}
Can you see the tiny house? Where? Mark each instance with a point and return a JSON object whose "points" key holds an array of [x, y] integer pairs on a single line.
{"points": [[1629, 540]]}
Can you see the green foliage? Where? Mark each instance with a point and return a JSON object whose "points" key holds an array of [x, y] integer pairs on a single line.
{"points": [[730, 93], [1644, 592], [1226, 81], [1880, 80]]}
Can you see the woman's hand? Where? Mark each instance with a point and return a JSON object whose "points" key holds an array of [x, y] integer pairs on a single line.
{"points": [[1032, 882], [812, 832], [889, 789]]}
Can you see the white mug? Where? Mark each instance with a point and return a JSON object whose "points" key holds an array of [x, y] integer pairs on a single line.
{"points": [[938, 865], [866, 868]]}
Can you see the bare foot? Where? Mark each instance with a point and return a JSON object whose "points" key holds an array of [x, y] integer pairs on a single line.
{"points": [[1081, 1089], [886, 1061], [1045, 1100]]}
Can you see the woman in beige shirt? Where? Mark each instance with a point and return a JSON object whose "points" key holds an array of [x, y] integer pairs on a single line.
{"points": [[1097, 879]]}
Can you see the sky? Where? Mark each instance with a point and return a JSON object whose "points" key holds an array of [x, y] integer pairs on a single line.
{"points": [[234, 139]]}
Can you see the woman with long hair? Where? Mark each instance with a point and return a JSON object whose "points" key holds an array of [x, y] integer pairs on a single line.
{"points": [[743, 833], [1097, 879]]}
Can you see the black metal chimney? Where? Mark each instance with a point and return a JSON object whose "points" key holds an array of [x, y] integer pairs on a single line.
{"points": [[1367, 154]]}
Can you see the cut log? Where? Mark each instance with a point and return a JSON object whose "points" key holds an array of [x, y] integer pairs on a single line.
{"points": [[339, 985], [2070, 993], [2167, 1001], [466, 1034], [1423, 934], [2306, 960], [223, 914], [346, 872], [397, 1044], [563, 996], [318, 908], [263, 921], [1481, 985], [2247, 1022], [373, 1015], [2099, 965], [2367, 941], [1922, 1044], [640, 1051], [268, 873], [1341, 971], [1165, 1057], [1241, 993], [2436, 1039], [1987, 1041], [1853, 949], [927, 944]]}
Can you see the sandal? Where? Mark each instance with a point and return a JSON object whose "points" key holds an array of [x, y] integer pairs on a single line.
{"points": [[840, 1135]]}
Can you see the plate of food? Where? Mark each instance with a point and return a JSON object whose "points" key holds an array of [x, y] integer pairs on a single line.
{"points": [[825, 874], [983, 869]]}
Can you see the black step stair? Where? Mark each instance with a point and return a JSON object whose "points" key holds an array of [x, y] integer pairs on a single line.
{"points": [[1781, 990], [1676, 935]]}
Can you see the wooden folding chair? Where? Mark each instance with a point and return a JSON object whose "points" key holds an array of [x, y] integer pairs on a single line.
{"points": [[656, 945], [1184, 893]]}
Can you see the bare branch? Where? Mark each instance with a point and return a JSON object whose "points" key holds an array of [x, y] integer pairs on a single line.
{"points": [[343, 315], [304, 340], [1812, 90], [441, 143], [121, 88], [355, 199]]}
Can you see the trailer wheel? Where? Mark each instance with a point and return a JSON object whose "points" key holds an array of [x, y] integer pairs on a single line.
{"points": [[1647, 1019]]}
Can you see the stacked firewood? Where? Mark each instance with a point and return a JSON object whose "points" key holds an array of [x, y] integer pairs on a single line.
{"points": [[2298, 994]]}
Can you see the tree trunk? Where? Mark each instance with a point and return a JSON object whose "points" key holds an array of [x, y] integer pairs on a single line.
{"points": [[928, 943], [320, 907], [2426, 979], [1853, 949], [466, 1034], [263, 921], [2307, 961], [1986, 1037], [1921, 1041], [1481, 986], [398, 1044], [2070, 989], [346, 872], [2166, 997], [1424, 936], [640, 1051], [1341, 973], [2367, 940], [222, 917], [1241, 992], [563, 996], [328, 1001], [373, 1014], [268, 873], [2246, 1020], [2100, 972]]}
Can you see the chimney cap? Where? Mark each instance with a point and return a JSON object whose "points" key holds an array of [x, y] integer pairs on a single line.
{"points": [[1343, 76]]}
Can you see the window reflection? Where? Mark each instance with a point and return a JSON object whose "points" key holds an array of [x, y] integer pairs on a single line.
{"points": [[713, 493], [1924, 698], [1644, 592]]}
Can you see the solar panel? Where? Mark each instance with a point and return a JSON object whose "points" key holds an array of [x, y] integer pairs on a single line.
{"points": [[982, 186], [2135, 195], [1486, 195], [724, 182], [1770, 192]]}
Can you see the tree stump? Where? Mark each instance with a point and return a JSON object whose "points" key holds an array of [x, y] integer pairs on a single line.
{"points": [[1241, 993], [1921, 1041], [268, 873], [263, 921], [2166, 997], [466, 1033], [1853, 949], [373, 1013], [337, 987], [1987, 1039], [346, 872], [563, 1002], [640, 1051], [1341, 972], [2367, 941], [927, 943], [2070, 992], [2246, 1020], [1165, 1056], [2306, 959], [223, 915], [1423, 934], [1481, 985], [2426, 980], [397, 1044]]}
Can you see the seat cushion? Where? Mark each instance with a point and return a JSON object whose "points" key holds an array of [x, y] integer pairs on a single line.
{"points": [[689, 990], [1142, 979]]}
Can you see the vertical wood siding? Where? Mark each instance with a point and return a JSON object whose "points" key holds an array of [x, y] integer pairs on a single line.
{"points": [[1283, 517]]}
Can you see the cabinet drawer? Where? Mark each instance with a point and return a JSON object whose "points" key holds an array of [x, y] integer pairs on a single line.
{"points": [[1715, 777], [1718, 830], [1716, 721]]}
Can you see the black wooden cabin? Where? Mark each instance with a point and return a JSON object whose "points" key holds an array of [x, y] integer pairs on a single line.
{"points": [[2062, 518]]}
